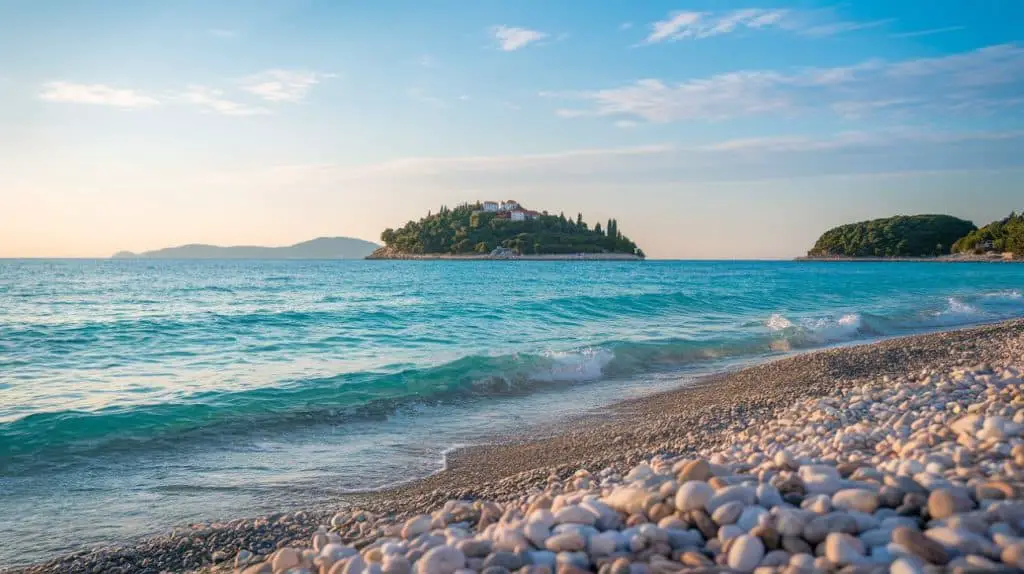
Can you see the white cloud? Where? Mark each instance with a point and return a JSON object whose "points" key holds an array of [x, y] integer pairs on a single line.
{"points": [[213, 100], [223, 33], [929, 32], [780, 157], [511, 39], [283, 85], [625, 25], [201, 97], [96, 94], [884, 138], [834, 28], [983, 79], [677, 26], [690, 24], [420, 95]]}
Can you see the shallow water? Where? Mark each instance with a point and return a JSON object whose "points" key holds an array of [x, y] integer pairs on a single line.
{"points": [[137, 395]]}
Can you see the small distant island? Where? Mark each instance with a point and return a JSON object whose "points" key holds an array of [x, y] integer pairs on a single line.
{"points": [[319, 248], [922, 237], [504, 230]]}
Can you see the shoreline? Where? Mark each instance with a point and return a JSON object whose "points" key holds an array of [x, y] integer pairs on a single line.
{"points": [[551, 257], [939, 259], [681, 421]]}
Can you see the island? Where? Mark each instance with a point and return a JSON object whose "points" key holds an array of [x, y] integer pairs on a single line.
{"points": [[319, 248], [902, 236], [504, 230], [1005, 237]]}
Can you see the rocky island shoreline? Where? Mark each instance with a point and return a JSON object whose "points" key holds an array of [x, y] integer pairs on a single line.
{"points": [[905, 455]]}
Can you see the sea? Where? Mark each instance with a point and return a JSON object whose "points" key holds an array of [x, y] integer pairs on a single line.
{"points": [[139, 395]]}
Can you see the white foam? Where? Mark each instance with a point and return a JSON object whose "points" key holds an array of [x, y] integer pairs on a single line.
{"points": [[576, 366], [958, 307], [820, 329], [778, 323], [1010, 294], [827, 329]]}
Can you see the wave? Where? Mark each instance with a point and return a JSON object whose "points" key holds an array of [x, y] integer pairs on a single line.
{"points": [[67, 436], [1012, 295], [70, 435]]}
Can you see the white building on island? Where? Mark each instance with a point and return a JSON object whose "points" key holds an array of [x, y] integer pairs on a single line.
{"points": [[510, 205], [491, 206], [518, 215]]}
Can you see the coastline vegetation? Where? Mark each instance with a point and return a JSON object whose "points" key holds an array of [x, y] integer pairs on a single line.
{"points": [[1005, 235], [899, 236]]}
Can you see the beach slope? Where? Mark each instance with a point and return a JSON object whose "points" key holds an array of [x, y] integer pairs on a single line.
{"points": [[907, 452]]}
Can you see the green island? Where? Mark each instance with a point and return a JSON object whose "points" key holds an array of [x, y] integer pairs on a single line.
{"points": [[924, 237], [506, 229], [1005, 235]]}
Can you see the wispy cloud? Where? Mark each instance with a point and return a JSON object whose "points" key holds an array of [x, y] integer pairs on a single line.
{"points": [[683, 25], [979, 80], [834, 28], [884, 138], [282, 85], [625, 26], [929, 32], [213, 100], [892, 150], [421, 95], [96, 94], [511, 38], [223, 33], [202, 97]]}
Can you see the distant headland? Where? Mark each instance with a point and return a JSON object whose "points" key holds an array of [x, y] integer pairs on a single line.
{"points": [[319, 248], [504, 230], [922, 238]]}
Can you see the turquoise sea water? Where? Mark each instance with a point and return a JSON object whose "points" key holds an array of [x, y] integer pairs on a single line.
{"points": [[139, 395]]}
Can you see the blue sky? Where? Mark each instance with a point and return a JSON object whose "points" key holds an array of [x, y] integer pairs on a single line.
{"points": [[708, 128]]}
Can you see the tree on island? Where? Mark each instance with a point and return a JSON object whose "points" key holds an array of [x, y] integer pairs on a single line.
{"points": [[468, 229], [1006, 234], [900, 236]]}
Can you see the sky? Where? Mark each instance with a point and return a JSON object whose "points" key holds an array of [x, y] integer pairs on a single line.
{"points": [[708, 128]]}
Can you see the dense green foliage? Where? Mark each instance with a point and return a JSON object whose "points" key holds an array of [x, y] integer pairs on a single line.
{"points": [[1004, 235], [900, 236], [466, 229]]}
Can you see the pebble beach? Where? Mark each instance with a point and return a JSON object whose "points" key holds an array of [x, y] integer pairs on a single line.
{"points": [[905, 455]]}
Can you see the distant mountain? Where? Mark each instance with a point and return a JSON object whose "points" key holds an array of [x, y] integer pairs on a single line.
{"points": [[320, 248]]}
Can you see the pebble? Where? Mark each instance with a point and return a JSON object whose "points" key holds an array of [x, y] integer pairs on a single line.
{"points": [[416, 526], [693, 495], [819, 528], [507, 560], [920, 545], [843, 549], [739, 493], [567, 542], [440, 560], [745, 553], [942, 503], [855, 499], [575, 515], [728, 513]]}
